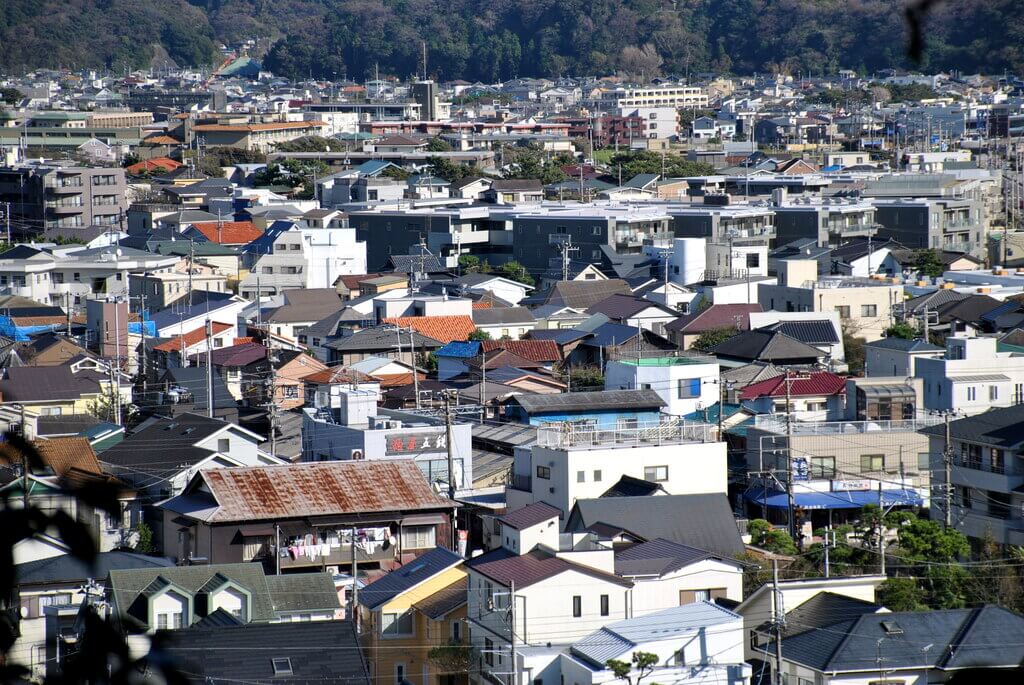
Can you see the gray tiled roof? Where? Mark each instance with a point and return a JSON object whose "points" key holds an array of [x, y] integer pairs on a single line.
{"points": [[318, 651], [591, 401], [68, 569], [703, 521], [1003, 428]]}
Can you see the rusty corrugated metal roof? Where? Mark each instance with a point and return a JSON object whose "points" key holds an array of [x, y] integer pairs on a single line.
{"points": [[320, 489]]}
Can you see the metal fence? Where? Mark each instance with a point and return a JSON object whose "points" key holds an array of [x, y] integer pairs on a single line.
{"points": [[570, 434]]}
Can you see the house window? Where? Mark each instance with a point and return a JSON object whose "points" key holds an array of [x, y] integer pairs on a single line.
{"points": [[268, 269], [396, 625], [543, 472], [972, 393], [656, 474], [419, 537], [872, 462], [399, 674], [457, 630], [168, 620], [581, 476], [870, 310], [488, 651], [844, 311], [597, 476], [577, 606], [993, 392], [224, 445], [282, 666], [689, 388], [291, 391], [823, 467], [604, 605], [923, 461]]}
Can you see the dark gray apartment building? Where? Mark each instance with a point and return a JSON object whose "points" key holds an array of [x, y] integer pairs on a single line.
{"points": [[538, 235], [943, 224], [832, 221], [64, 198]]}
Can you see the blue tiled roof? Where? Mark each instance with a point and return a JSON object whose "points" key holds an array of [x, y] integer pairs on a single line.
{"points": [[460, 350], [400, 580]]}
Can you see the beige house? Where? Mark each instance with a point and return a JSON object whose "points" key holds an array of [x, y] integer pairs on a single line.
{"points": [[864, 304]]}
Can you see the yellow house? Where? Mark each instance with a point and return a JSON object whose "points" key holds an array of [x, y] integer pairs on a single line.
{"points": [[412, 610], [81, 387]]}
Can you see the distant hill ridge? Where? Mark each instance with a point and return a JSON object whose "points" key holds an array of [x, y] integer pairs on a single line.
{"points": [[475, 40]]}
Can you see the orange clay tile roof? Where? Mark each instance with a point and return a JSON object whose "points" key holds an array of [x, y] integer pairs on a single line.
{"points": [[336, 375], [255, 128], [242, 341], [534, 350], [160, 140], [64, 454], [481, 305], [229, 232], [161, 163], [191, 338], [443, 329], [398, 380]]}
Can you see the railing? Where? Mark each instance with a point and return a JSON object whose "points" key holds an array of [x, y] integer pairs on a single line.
{"points": [[569, 434], [777, 424]]}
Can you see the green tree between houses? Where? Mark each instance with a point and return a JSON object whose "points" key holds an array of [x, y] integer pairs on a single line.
{"points": [[901, 329], [514, 271], [929, 263], [643, 662], [709, 339], [479, 335]]}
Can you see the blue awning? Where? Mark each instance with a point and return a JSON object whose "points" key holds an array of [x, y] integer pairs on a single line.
{"points": [[835, 500]]}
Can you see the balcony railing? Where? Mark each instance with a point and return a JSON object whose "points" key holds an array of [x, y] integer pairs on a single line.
{"points": [[568, 434], [777, 424]]}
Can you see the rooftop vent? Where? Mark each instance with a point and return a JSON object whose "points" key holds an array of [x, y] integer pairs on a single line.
{"points": [[892, 628], [282, 665]]}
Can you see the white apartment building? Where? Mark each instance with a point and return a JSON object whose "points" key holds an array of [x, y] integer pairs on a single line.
{"points": [[685, 383], [660, 123], [67, 276], [567, 464], [302, 258], [972, 377], [689, 97]]}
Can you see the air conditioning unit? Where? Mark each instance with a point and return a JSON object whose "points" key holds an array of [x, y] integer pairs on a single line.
{"points": [[333, 570], [551, 491], [356, 455]]}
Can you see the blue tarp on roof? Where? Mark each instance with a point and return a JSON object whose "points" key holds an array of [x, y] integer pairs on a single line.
{"points": [[23, 333], [460, 350], [855, 499]]}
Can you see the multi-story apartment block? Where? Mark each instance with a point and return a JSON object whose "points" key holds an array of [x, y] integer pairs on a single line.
{"points": [[538, 233], [63, 197], [987, 475], [830, 222], [837, 466], [971, 377], [570, 463], [953, 225], [865, 305], [288, 256], [677, 96]]}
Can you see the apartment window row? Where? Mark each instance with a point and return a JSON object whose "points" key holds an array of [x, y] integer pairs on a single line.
{"points": [[581, 476], [577, 605]]}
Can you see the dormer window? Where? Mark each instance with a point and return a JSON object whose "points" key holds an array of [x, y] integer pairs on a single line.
{"points": [[282, 666], [169, 609]]}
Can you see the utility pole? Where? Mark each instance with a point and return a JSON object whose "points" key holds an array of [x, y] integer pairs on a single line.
{"points": [[451, 464], [143, 361], [412, 355], [272, 400], [354, 611], [827, 546], [566, 248], [881, 533], [947, 463], [116, 375], [779, 619], [191, 261], [512, 630], [790, 503], [209, 368]]}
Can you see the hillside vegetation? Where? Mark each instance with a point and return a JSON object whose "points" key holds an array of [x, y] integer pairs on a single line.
{"points": [[473, 40]]}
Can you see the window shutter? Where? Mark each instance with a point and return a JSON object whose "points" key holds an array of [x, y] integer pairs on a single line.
{"points": [[687, 597]]}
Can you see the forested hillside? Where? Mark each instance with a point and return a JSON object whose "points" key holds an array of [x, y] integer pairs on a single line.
{"points": [[473, 40]]}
